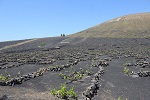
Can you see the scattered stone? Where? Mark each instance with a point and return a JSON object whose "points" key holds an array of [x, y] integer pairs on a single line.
{"points": [[144, 74], [4, 97]]}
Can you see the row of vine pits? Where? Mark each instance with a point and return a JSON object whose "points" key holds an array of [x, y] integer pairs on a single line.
{"points": [[93, 88], [90, 82]]}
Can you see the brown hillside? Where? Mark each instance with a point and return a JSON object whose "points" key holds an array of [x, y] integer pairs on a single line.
{"points": [[129, 26]]}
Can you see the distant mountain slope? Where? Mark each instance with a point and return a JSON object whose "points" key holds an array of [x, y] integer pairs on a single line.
{"points": [[129, 26]]}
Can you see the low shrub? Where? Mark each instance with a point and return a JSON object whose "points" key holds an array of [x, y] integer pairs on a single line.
{"points": [[64, 93]]}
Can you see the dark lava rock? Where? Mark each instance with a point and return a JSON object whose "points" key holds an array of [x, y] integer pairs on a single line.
{"points": [[91, 90], [88, 94], [134, 74], [31, 75], [2, 83], [4, 97], [144, 74]]}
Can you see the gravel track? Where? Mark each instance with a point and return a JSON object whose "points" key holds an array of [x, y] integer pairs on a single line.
{"points": [[18, 44]]}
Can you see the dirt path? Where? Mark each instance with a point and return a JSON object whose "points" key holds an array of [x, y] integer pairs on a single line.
{"points": [[19, 93], [69, 40], [14, 45]]}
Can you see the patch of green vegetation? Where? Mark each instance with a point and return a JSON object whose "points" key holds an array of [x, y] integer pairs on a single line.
{"points": [[92, 63], [75, 75], [7, 74], [81, 70], [126, 70], [72, 68], [4, 78], [88, 72], [72, 93], [61, 74], [65, 77], [56, 66], [54, 92], [78, 75], [50, 67], [19, 73], [128, 63], [42, 44], [125, 64], [92, 53], [87, 65], [72, 76], [63, 92], [119, 98]]}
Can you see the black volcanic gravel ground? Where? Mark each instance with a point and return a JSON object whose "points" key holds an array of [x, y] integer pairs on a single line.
{"points": [[41, 61]]}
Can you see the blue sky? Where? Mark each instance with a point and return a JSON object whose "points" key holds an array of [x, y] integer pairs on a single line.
{"points": [[24, 19]]}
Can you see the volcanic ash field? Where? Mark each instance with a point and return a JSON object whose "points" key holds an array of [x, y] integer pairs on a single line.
{"points": [[86, 68]]}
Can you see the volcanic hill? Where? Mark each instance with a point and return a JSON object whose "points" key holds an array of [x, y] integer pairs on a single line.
{"points": [[129, 26]]}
